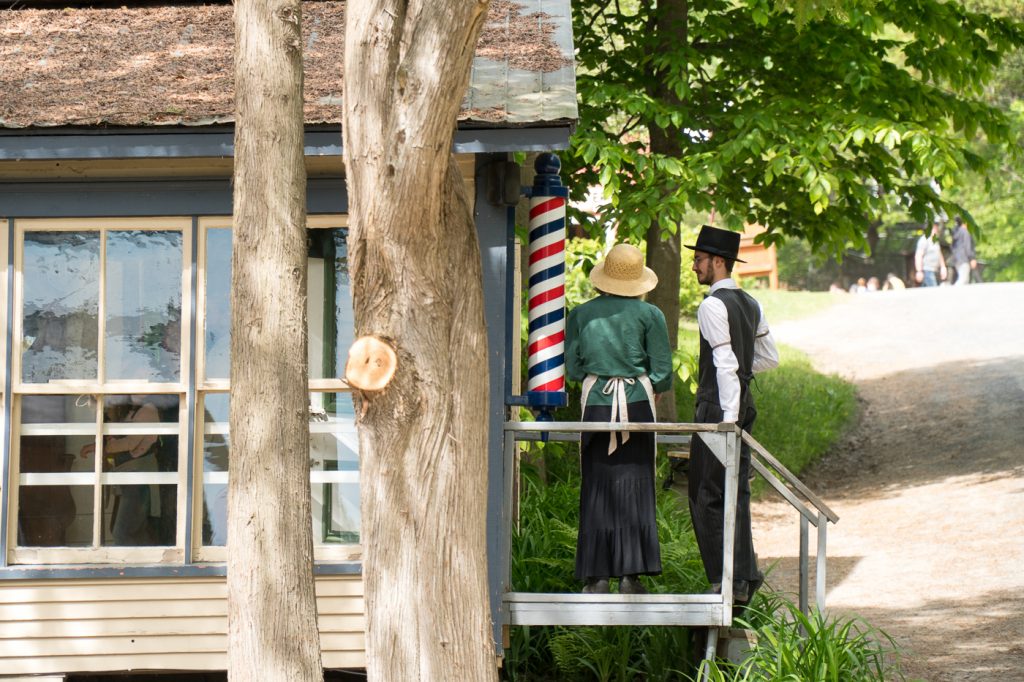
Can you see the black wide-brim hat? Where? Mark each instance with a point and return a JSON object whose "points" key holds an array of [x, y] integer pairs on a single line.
{"points": [[718, 242]]}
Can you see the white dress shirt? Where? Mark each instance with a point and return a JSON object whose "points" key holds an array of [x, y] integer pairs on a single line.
{"points": [[713, 320]]}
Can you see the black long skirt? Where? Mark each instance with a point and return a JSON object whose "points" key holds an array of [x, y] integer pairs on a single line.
{"points": [[618, 532]]}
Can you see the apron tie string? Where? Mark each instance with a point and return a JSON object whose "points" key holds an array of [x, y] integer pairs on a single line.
{"points": [[616, 388]]}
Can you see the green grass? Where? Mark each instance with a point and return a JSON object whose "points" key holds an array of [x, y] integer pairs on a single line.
{"points": [[800, 412], [782, 305]]}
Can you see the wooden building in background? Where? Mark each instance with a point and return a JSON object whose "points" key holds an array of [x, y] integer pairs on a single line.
{"points": [[760, 260]]}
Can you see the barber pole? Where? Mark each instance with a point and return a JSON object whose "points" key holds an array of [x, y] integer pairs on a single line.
{"points": [[546, 353]]}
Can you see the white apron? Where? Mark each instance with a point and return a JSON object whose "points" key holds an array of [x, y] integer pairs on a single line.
{"points": [[616, 388]]}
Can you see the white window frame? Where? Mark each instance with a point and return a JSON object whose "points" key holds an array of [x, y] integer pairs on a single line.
{"points": [[98, 388], [204, 387], [170, 556]]}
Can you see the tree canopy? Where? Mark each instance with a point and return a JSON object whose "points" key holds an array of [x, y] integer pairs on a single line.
{"points": [[994, 198], [812, 122]]}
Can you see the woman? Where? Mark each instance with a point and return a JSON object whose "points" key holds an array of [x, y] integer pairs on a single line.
{"points": [[617, 345]]}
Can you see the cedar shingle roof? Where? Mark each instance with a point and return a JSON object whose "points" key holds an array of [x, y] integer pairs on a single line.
{"points": [[172, 65]]}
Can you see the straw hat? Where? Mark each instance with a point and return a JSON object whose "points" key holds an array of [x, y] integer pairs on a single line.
{"points": [[623, 272]]}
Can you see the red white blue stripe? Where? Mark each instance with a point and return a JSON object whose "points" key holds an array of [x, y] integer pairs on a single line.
{"points": [[546, 351]]}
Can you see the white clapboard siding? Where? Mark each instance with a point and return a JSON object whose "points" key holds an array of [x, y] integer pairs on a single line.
{"points": [[62, 626]]}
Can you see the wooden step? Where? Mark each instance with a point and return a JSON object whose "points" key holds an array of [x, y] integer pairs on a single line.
{"points": [[691, 610]]}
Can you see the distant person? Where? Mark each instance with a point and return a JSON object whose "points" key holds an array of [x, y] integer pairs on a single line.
{"points": [[836, 288], [873, 284], [617, 345], [859, 287], [892, 282], [961, 255], [735, 342], [929, 264]]}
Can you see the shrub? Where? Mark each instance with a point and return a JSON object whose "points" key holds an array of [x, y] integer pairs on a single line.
{"points": [[794, 647]]}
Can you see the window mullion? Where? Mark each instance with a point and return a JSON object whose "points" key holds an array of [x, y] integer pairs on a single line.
{"points": [[97, 495], [101, 311]]}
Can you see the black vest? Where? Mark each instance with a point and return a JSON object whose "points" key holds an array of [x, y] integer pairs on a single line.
{"points": [[744, 317]]}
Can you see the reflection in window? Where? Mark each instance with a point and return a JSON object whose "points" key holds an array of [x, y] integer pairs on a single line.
{"points": [[330, 303], [218, 303], [137, 515], [329, 311], [333, 447], [215, 467], [61, 304], [55, 429], [143, 305], [334, 469]]}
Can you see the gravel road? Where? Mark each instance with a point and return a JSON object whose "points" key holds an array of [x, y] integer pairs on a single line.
{"points": [[929, 486]]}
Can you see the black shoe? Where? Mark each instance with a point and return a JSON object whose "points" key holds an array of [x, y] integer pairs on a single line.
{"points": [[743, 590], [754, 585], [677, 466], [596, 586], [630, 584]]}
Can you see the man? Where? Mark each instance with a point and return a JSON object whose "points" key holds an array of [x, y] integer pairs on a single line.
{"points": [[734, 344], [962, 253], [929, 265]]}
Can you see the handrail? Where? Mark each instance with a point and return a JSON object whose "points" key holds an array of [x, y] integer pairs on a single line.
{"points": [[791, 478], [564, 437], [589, 427], [786, 493], [789, 487]]}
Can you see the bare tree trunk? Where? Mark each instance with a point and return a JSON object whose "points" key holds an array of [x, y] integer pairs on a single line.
{"points": [[664, 254], [272, 629], [416, 280]]}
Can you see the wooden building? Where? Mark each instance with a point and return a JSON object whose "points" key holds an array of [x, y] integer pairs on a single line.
{"points": [[115, 201], [761, 260]]}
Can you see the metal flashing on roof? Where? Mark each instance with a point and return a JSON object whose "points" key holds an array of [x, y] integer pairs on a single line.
{"points": [[55, 144], [538, 87]]}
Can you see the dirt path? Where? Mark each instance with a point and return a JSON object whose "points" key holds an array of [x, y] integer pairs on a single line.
{"points": [[929, 486]]}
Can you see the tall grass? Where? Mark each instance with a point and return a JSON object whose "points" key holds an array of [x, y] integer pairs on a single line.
{"points": [[793, 647], [543, 559]]}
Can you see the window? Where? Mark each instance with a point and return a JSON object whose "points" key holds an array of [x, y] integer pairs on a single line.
{"points": [[106, 383]]}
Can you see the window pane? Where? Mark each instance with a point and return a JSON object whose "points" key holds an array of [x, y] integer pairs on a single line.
{"points": [[143, 305], [215, 467], [61, 308], [218, 303], [330, 303], [333, 447], [55, 515], [58, 434], [58, 409], [140, 514]]}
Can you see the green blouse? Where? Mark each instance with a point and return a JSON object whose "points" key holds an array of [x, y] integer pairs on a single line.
{"points": [[615, 336]]}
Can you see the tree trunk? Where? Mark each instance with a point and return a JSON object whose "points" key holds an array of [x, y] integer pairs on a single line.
{"points": [[416, 279], [272, 629], [664, 254]]}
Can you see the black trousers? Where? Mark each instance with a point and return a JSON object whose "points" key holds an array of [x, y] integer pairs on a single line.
{"points": [[707, 501], [618, 533]]}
